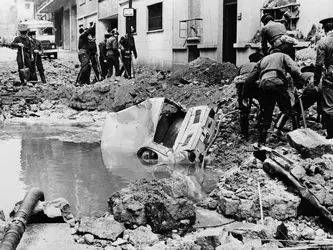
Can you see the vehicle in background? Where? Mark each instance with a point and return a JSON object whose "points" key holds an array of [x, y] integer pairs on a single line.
{"points": [[45, 33]]}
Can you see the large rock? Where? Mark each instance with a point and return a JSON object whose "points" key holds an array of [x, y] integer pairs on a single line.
{"points": [[309, 143], [152, 203], [207, 218], [104, 228]]}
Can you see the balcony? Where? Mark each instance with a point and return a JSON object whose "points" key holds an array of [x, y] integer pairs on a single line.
{"points": [[190, 29]]}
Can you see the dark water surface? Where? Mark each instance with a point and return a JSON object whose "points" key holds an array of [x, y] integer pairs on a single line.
{"points": [[37, 156]]}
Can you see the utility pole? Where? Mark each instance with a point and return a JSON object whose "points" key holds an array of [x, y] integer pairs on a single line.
{"points": [[128, 26]]}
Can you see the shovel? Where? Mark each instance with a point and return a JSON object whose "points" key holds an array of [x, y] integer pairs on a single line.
{"points": [[25, 72]]}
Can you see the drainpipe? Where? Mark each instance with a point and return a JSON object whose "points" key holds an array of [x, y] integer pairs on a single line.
{"points": [[17, 226]]}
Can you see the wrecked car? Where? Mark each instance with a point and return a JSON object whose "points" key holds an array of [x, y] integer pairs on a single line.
{"points": [[160, 130]]}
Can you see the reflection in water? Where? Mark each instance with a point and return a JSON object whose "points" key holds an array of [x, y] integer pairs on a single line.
{"points": [[75, 171]]}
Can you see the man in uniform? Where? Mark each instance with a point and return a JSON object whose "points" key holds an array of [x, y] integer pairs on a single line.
{"points": [[243, 73], [37, 62], [126, 49], [102, 56], [276, 35], [92, 51], [112, 54], [271, 73], [23, 44], [84, 58], [325, 58]]}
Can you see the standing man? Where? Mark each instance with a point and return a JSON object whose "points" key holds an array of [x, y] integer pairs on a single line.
{"points": [[102, 56], [112, 54], [325, 58], [84, 58], [92, 51], [126, 48], [23, 44], [37, 62], [276, 35], [271, 72]]}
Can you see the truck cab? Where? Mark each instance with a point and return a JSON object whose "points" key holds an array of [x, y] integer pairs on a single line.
{"points": [[45, 33]]}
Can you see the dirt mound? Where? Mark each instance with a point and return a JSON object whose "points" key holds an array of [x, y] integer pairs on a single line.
{"points": [[205, 70]]}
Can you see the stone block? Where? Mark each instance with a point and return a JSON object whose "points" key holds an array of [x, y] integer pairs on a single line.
{"points": [[207, 218], [309, 143]]}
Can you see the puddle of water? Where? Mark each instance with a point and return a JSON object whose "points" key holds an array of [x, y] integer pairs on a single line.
{"points": [[37, 156]]}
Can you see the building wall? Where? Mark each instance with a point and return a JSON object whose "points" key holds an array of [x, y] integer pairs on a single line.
{"points": [[107, 17], [154, 48], [87, 12], [25, 10]]}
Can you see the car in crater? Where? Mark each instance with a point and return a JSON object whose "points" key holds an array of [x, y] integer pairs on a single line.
{"points": [[159, 130]]}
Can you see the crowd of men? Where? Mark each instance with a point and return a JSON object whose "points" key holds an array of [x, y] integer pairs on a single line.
{"points": [[110, 52], [270, 73]]}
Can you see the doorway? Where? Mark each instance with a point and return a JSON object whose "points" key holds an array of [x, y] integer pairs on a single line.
{"points": [[229, 30], [193, 52], [58, 18], [73, 28]]}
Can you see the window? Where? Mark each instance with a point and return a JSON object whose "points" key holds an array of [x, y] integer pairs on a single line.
{"points": [[155, 17], [27, 6], [133, 22]]}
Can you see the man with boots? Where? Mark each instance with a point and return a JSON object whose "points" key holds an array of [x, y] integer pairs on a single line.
{"points": [[92, 51], [325, 58], [23, 44], [126, 48], [112, 54], [37, 62], [102, 56], [276, 35], [271, 72], [84, 58], [253, 91]]}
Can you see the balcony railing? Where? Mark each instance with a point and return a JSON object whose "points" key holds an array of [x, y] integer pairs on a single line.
{"points": [[190, 29]]}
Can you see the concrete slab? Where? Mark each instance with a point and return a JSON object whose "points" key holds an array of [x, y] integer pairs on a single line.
{"points": [[55, 236]]}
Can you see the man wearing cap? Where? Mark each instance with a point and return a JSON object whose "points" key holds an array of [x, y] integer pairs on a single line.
{"points": [[243, 73], [102, 55], [84, 58], [271, 72], [127, 46], [276, 35], [22, 42], [325, 58], [112, 54], [37, 62]]}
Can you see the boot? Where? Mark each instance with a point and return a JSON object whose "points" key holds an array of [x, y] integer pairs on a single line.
{"points": [[279, 126], [262, 136], [42, 77], [244, 124], [329, 128], [295, 121]]}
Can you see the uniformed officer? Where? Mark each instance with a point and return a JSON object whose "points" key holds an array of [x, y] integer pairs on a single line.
{"points": [[23, 44], [37, 62], [92, 51], [127, 47], [325, 58], [112, 54], [102, 55]]}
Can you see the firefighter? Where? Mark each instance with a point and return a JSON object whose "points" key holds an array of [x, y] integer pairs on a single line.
{"points": [[325, 58], [112, 54], [102, 56], [37, 62], [276, 35], [271, 73], [243, 72], [127, 46], [92, 51], [84, 58], [23, 42]]}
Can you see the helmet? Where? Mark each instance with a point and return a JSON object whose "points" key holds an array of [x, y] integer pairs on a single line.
{"points": [[22, 27], [114, 31]]}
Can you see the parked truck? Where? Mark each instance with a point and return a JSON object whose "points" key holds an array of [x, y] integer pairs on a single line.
{"points": [[45, 33]]}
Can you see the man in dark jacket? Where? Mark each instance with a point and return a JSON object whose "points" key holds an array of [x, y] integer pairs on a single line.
{"points": [[23, 44], [271, 73], [112, 54], [92, 51], [84, 58], [102, 55], [325, 58], [127, 46], [276, 35], [243, 73], [37, 62]]}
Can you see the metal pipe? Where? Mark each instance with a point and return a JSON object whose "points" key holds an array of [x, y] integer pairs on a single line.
{"points": [[17, 226]]}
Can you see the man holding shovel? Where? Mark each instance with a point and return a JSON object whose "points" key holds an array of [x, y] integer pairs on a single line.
{"points": [[24, 53], [37, 62]]}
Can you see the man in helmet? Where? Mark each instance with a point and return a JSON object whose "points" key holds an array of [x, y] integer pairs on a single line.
{"points": [[37, 62], [276, 35], [112, 54], [325, 58], [24, 46]]}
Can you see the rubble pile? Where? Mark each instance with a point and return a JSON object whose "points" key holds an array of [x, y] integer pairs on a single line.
{"points": [[306, 57]]}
